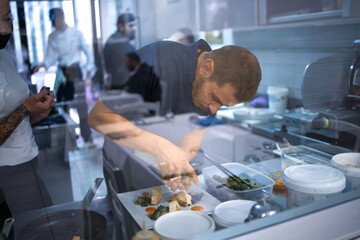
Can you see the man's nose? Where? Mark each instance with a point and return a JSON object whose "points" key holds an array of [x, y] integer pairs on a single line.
{"points": [[214, 108]]}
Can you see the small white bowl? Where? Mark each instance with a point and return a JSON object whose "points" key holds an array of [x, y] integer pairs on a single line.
{"points": [[232, 212], [349, 164]]}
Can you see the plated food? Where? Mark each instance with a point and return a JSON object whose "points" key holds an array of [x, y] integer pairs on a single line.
{"points": [[176, 200], [183, 198], [201, 201]]}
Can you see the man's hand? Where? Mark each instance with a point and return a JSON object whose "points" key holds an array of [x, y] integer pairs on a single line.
{"points": [[39, 105], [191, 142], [176, 171]]}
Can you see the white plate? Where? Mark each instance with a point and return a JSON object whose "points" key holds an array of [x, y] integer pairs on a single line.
{"points": [[232, 212], [139, 214], [184, 225]]}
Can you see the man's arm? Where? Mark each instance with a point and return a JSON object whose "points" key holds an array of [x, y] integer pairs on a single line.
{"points": [[172, 161]]}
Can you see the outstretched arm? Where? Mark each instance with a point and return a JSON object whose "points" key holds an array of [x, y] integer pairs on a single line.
{"points": [[172, 160]]}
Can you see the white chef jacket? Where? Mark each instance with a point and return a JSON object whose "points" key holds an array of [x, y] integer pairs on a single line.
{"points": [[20, 147], [65, 48]]}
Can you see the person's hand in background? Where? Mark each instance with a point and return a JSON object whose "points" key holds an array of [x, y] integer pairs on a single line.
{"points": [[36, 68], [39, 105]]}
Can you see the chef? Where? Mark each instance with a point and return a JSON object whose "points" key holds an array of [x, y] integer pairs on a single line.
{"points": [[194, 78]]}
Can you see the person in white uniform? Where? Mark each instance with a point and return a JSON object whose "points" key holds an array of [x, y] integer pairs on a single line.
{"points": [[65, 46], [19, 179]]}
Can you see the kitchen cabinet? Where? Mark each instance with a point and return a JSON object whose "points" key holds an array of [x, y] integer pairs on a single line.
{"points": [[280, 11], [218, 15]]}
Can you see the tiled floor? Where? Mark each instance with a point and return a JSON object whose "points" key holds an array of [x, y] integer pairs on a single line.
{"points": [[70, 181]]}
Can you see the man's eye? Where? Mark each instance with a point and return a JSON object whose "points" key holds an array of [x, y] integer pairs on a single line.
{"points": [[10, 17]]}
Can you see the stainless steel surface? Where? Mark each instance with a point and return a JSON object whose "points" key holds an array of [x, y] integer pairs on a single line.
{"points": [[262, 209], [90, 194], [354, 76], [325, 82], [6, 229], [338, 127]]}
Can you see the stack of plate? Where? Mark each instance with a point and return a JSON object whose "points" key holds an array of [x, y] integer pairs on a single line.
{"points": [[183, 225], [232, 212]]}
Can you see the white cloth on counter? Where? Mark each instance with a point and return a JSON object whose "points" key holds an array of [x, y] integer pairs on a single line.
{"points": [[20, 147]]}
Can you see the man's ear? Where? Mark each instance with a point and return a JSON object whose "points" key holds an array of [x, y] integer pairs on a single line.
{"points": [[206, 68]]}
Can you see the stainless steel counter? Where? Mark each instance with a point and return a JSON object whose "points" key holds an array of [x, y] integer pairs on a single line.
{"points": [[228, 143]]}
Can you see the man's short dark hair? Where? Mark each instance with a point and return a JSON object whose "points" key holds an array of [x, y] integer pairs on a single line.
{"points": [[238, 67], [133, 56], [125, 18], [52, 12]]}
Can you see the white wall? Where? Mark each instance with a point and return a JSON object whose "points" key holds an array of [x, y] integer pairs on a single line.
{"points": [[284, 52], [160, 18]]}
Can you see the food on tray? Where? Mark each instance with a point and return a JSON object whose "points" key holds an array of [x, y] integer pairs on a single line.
{"points": [[174, 206], [278, 180], [161, 210], [156, 195], [197, 208], [234, 185], [150, 209], [144, 200], [183, 198], [152, 198]]}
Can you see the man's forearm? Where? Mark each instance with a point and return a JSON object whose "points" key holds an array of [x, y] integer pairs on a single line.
{"points": [[191, 142], [10, 123], [123, 132]]}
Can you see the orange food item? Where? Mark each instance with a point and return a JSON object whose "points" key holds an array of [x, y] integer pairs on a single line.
{"points": [[150, 209], [278, 182], [197, 208]]}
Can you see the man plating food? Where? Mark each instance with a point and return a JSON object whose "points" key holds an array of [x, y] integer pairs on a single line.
{"points": [[193, 78]]}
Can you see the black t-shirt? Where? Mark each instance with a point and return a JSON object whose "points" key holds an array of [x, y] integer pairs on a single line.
{"points": [[145, 83], [174, 65]]}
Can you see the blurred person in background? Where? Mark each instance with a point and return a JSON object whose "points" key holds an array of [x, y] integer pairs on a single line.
{"points": [[19, 180], [196, 79], [142, 79], [115, 49], [65, 46], [183, 35]]}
